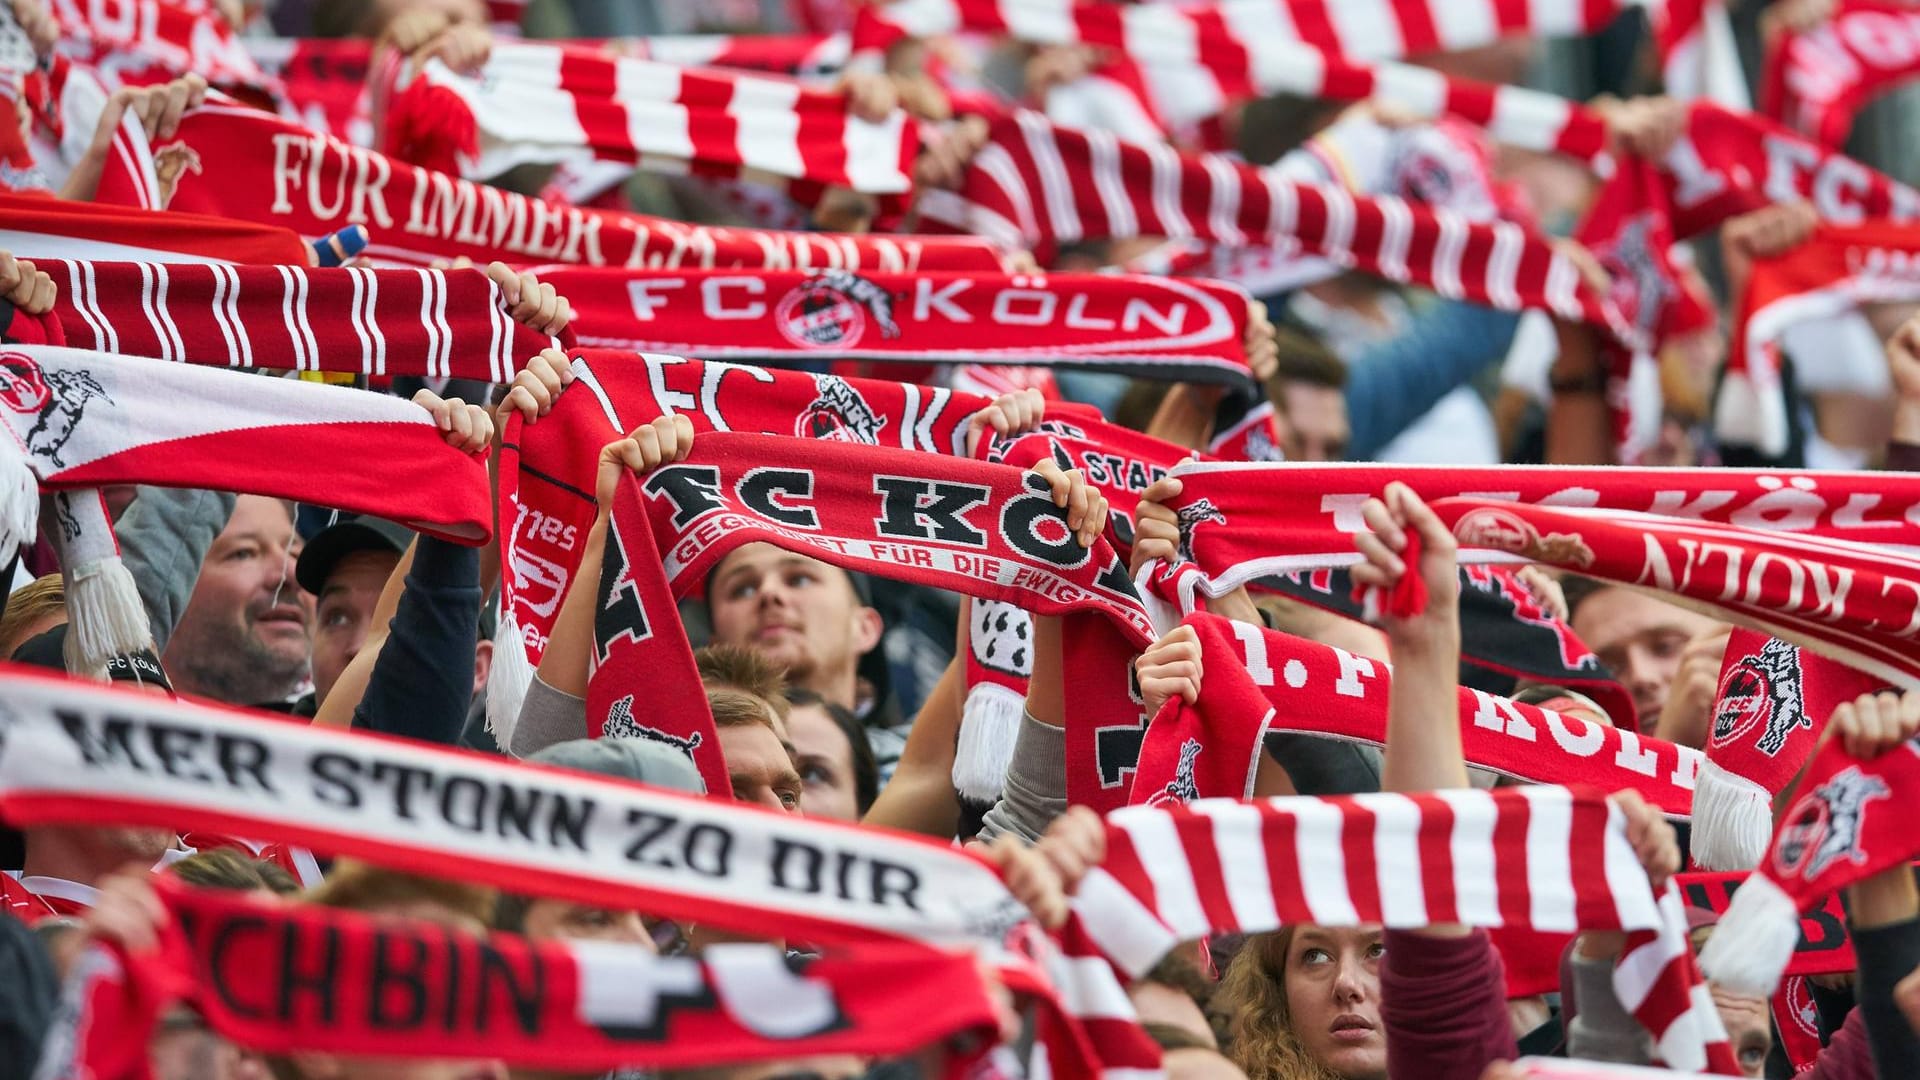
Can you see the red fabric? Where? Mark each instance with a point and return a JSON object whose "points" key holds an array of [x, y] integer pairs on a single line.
{"points": [[89, 419], [173, 36], [1817, 79], [1536, 856], [1262, 681], [1825, 946], [1442, 1005], [321, 82], [36, 227], [1407, 597], [541, 1004], [983, 530], [550, 102], [1190, 331], [1042, 185], [275, 172], [367, 322]]}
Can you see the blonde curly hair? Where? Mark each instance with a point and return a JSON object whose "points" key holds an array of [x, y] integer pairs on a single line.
{"points": [[1253, 994]]}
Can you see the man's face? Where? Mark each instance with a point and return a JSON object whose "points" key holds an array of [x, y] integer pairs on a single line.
{"points": [[344, 611], [245, 634], [797, 611], [760, 767], [1749, 1024], [562, 920], [1640, 640], [1316, 422]]}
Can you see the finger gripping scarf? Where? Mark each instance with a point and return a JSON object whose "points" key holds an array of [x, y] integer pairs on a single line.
{"points": [[1546, 858], [282, 978], [983, 530], [1260, 682]]}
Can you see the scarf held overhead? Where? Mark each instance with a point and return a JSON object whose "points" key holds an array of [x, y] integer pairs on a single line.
{"points": [[1260, 682], [1545, 858], [1818, 78], [983, 530], [1140, 326], [548, 1004], [274, 172]]}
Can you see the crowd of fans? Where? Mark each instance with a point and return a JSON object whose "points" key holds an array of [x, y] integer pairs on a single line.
{"points": [[838, 696]]}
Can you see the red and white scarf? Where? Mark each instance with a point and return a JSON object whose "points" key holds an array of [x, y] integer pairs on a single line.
{"points": [[1242, 521], [1698, 58], [320, 83], [1838, 269], [1261, 681], [1148, 327], [542, 1004], [1845, 820], [1545, 858], [36, 227], [1817, 79], [1824, 948], [1038, 185], [397, 322], [982, 530], [534, 830], [154, 40], [273, 172], [548, 103], [547, 469]]}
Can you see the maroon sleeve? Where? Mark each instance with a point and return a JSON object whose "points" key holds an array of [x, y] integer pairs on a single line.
{"points": [[1847, 1056], [1443, 1001], [1903, 457]]}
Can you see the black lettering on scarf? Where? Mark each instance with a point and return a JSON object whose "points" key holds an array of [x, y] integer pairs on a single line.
{"points": [[761, 490], [802, 867], [912, 508], [693, 489], [178, 751]]}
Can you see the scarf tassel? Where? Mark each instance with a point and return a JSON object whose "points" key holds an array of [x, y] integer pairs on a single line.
{"points": [[508, 680], [105, 615], [19, 503], [1755, 939], [1732, 819], [989, 727]]}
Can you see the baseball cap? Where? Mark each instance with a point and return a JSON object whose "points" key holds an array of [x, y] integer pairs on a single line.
{"points": [[48, 650], [341, 539], [625, 758]]}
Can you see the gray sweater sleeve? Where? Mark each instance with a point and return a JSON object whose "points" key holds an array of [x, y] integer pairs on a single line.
{"points": [[1036, 789], [1602, 1029], [164, 536], [547, 716]]}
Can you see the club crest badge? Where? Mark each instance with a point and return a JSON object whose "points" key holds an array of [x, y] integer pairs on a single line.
{"points": [[1504, 530], [832, 310], [1761, 693], [1826, 824]]}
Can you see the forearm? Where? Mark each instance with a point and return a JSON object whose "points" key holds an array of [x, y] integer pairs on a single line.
{"points": [[422, 683], [1424, 752], [1185, 416], [1036, 787], [1579, 425], [920, 797], [1395, 383], [563, 665], [342, 702], [1046, 687]]}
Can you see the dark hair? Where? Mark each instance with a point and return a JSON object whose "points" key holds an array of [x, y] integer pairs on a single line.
{"points": [[1577, 588], [737, 667], [866, 772], [229, 868], [1304, 358], [1178, 970], [1174, 1037]]}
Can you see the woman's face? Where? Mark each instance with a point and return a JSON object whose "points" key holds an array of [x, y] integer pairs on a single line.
{"points": [[1333, 996], [558, 919], [825, 762]]}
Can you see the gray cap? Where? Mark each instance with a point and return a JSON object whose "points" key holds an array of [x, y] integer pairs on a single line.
{"points": [[341, 539], [626, 758]]}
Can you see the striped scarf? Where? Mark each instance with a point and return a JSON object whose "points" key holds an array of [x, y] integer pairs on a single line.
{"points": [[1545, 858], [1818, 79], [1039, 185], [550, 103]]}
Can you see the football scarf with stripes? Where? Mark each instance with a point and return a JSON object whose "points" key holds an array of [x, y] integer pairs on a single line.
{"points": [[36, 227], [396, 322], [1261, 682], [1846, 819], [1037, 185], [1146, 327], [1241, 522], [1543, 858], [281, 978], [551, 103], [986, 531], [241, 163], [547, 469], [1836, 270], [77, 753], [1818, 78]]}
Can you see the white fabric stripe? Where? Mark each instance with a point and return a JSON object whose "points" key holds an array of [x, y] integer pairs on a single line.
{"points": [[1323, 863], [1277, 60], [1563, 287], [1528, 119], [1166, 192], [286, 318], [1633, 900], [440, 321], [1056, 189], [1464, 24], [373, 323], [1640, 968], [1337, 246], [1503, 265], [499, 362], [359, 321], [1243, 862], [1103, 159], [995, 161], [302, 317], [81, 301], [146, 308], [1175, 896], [1419, 91], [223, 288], [245, 339], [1447, 252], [1223, 202], [163, 280], [1046, 23], [767, 132], [1476, 894], [1396, 852], [426, 317], [650, 94], [1396, 237], [1089, 990], [1284, 214], [1552, 904], [1367, 29], [873, 152]]}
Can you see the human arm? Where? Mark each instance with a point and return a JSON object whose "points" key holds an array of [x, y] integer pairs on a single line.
{"points": [[158, 108], [1394, 383], [920, 797]]}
